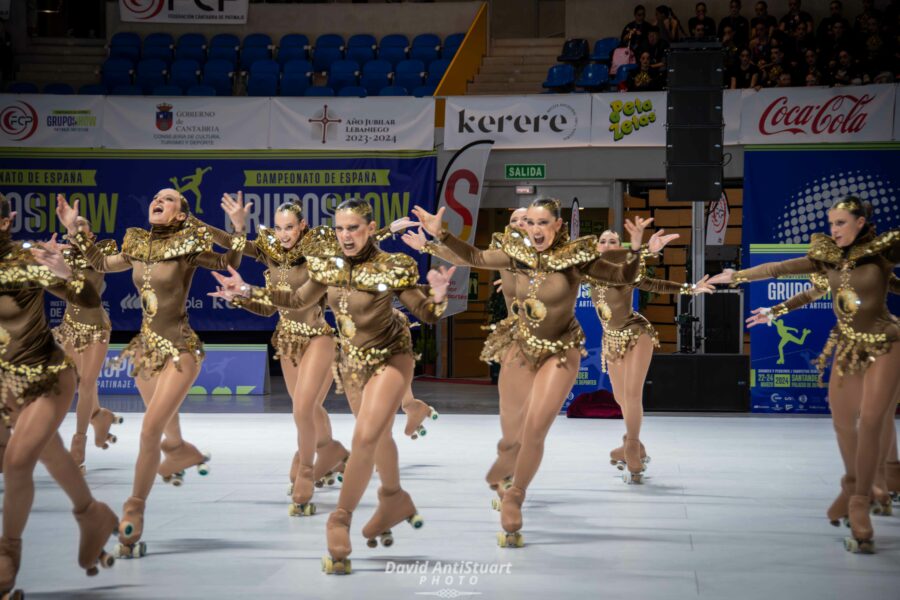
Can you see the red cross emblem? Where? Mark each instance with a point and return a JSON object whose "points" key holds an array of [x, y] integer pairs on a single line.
{"points": [[324, 121]]}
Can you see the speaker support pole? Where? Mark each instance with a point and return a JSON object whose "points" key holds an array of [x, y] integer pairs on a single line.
{"points": [[698, 268], [618, 206]]}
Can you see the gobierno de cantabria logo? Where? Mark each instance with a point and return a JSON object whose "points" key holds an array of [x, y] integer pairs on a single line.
{"points": [[18, 121]]}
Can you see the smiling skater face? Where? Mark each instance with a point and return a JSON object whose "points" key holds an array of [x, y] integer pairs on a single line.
{"points": [[288, 228], [517, 218], [609, 240], [167, 207], [353, 231], [542, 227]]}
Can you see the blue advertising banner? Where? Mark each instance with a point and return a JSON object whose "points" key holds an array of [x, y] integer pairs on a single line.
{"points": [[227, 370], [787, 193], [115, 188]]}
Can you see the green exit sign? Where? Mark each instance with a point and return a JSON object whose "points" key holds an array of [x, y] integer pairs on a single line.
{"points": [[526, 171]]}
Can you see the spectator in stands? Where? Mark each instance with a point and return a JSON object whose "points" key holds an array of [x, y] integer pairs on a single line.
{"points": [[729, 47], [794, 16], [861, 23], [835, 16], [762, 16], [795, 47], [810, 66], [634, 35], [740, 27], [760, 44], [656, 48], [771, 71], [745, 74], [645, 78], [784, 80], [701, 18], [875, 48], [846, 72], [839, 41], [6, 56], [670, 29], [812, 80]]}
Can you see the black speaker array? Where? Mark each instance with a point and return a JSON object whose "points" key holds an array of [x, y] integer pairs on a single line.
{"points": [[694, 124], [698, 382]]}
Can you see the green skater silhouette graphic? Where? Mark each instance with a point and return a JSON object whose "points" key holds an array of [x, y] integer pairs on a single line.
{"points": [[191, 183], [787, 335]]}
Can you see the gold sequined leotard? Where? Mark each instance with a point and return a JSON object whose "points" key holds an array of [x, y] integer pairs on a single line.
{"points": [[30, 360], [81, 327], [360, 291], [547, 285], [858, 279], [286, 270], [163, 261]]}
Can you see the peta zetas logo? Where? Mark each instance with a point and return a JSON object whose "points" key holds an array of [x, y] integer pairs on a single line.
{"points": [[18, 121]]}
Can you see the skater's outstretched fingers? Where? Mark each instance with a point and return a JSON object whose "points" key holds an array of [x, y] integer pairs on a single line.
{"points": [[236, 210], [759, 316], [725, 277], [403, 224], [659, 240], [414, 239], [439, 280], [636, 229], [233, 283], [704, 287], [48, 255], [433, 223], [66, 213]]}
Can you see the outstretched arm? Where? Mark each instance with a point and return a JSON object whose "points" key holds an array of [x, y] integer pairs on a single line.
{"points": [[794, 266], [68, 216], [429, 307], [232, 286]]}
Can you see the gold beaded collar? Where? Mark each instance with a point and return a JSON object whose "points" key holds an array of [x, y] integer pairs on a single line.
{"points": [[192, 238], [560, 256], [268, 244], [823, 248]]}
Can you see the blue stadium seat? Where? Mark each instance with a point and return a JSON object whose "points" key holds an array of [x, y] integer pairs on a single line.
{"points": [[266, 67], [298, 67], [22, 87], [130, 53], [393, 48], [151, 72], [289, 53], [393, 40], [451, 44], [167, 90], [409, 74], [330, 40], [376, 75], [361, 48], [425, 47], [622, 74], [603, 49], [159, 39], [185, 73], [92, 89], [195, 53], [163, 53], [593, 77], [192, 39], [436, 71], [323, 58], [227, 53], [560, 78], [219, 74], [201, 90], [253, 54], [298, 44], [393, 90], [127, 90], [225, 40], [424, 90], [343, 73], [258, 40], [352, 91], [264, 84], [319, 91], [116, 71], [294, 84], [62, 89], [125, 44]]}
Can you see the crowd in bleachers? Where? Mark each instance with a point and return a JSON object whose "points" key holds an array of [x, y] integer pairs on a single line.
{"points": [[762, 51], [226, 65]]}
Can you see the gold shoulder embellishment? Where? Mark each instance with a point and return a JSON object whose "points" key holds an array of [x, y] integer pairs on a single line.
{"points": [[819, 281], [496, 241], [823, 249], [517, 246], [320, 242], [192, 239], [877, 246], [386, 271], [569, 254], [19, 271]]}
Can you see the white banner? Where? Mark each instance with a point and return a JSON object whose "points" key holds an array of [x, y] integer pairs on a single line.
{"points": [[352, 124], [717, 221], [731, 114], [460, 194], [542, 121], [50, 121], [817, 115], [216, 12], [181, 123], [629, 119]]}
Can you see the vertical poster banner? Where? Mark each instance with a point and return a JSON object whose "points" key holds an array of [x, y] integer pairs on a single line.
{"points": [[717, 221], [787, 193], [122, 183], [209, 12], [590, 373], [460, 193], [50, 120]]}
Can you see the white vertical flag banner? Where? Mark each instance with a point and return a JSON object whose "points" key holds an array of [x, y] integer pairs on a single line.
{"points": [[215, 12], [575, 222], [460, 193], [717, 221]]}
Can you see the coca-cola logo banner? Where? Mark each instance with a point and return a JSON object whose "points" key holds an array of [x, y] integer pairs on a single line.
{"points": [[817, 115]]}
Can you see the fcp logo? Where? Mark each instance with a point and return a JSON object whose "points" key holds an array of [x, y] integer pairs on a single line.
{"points": [[18, 121]]}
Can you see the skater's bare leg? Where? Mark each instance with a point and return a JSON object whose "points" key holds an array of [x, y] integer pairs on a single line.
{"points": [[878, 399]]}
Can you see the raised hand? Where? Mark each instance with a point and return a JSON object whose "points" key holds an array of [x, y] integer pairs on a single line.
{"points": [[415, 239], [636, 229], [49, 254], [230, 286], [704, 287], [67, 214], [403, 224], [760, 316], [439, 280], [726, 276], [658, 240], [433, 223], [236, 210]]}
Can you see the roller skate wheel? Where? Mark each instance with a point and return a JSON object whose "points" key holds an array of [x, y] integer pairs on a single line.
{"points": [[340, 477], [118, 420], [127, 528], [387, 539], [290, 490], [507, 483], [372, 543], [613, 462], [112, 439], [83, 469], [13, 595], [434, 415], [207, 456], [319, 483], [646, 460], [92, 571], [495, 504], [620, 466], [330, 480], [203, 469], [835, 522], [416, 521], [859, 546], [107, 560], [632, 478], [177, 480]]}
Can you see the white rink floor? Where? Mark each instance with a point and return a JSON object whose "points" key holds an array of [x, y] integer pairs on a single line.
{"points": [[733, 507]]}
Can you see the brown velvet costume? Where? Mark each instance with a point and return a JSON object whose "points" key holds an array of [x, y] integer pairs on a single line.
{"points": [[81, 327]]}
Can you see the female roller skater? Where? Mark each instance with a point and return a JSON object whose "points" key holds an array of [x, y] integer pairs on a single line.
{"points": [[37, 383], [512, 405], [863, 345], [84, 334], [628, 342], [166, 354], [304, 344], [549, 342], [375, 361]]}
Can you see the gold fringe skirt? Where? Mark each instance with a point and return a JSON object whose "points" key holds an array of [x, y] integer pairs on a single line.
{"points": [[149, 352], [617, 342], [852, 352], [535, 351], [20, 385], [354, 366], [79, 335], [502, 335], [292, 337]]}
